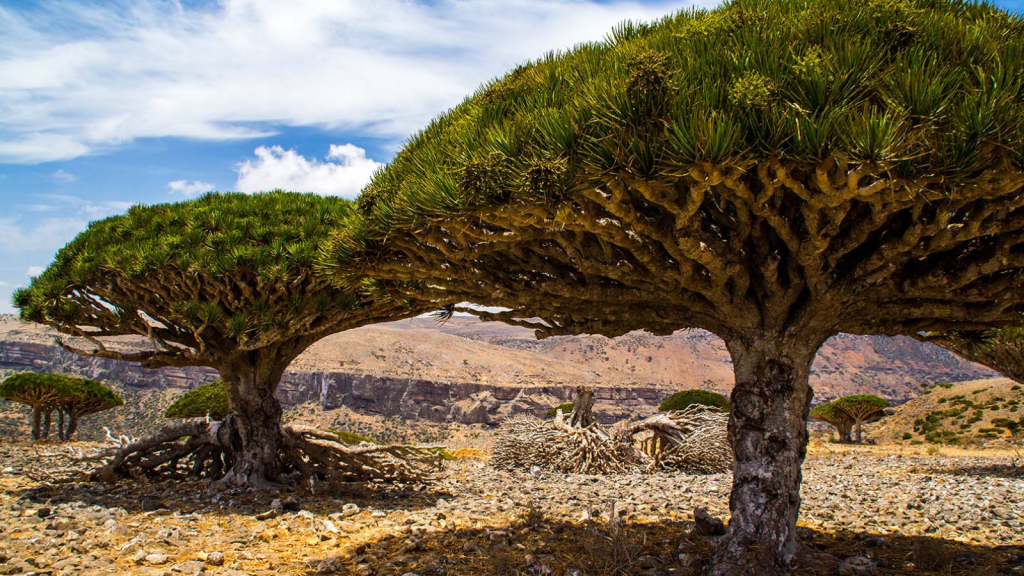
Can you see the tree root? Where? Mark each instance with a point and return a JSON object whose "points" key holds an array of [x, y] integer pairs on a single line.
{"points": [[203, 449]]}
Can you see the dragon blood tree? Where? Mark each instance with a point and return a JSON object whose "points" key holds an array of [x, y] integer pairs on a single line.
{"points": [[839, 419], [775, 172], [1001, 349], [224, 281], [72, 398], [861, 408]]}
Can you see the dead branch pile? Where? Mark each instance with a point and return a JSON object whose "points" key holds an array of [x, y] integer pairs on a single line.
{"points": [[573, 443], [554, 445], [692, 440], [204, 449]]}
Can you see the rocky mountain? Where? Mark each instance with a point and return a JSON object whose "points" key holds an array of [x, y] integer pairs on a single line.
{"points": [[472, 372]]}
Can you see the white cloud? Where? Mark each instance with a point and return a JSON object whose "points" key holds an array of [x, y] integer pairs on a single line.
{"points": [[189, 188], [19, 234], [3, 284], [62, 176], [34, 271], [79, 78], [344, 171]]}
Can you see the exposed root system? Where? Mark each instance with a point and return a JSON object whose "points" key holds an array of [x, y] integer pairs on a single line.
{"points": [[204, 449]]}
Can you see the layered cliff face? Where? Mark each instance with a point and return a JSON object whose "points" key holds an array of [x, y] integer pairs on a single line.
{"points": [[470, 372], [411, 398]]}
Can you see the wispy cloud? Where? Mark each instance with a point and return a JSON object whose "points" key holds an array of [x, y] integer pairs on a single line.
{"points": [[188, 188], [34, 271], [344, 171], [62, 176], [71, 216], [78, 79]]}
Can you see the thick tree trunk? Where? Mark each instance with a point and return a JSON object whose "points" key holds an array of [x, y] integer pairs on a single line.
{"points": [[46, 424], [582, 408], [72, 425], [856, 433], [768, 434], [37, 423], [250, 382], [60, 423], [844, 433]]}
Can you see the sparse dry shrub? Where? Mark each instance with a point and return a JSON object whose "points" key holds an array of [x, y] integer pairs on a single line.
{"points": [[932, 554], [613, 548]]}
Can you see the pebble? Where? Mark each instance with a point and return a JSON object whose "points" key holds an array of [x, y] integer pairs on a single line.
{"points": [[942, 497], [215, 559], [857, 566]]}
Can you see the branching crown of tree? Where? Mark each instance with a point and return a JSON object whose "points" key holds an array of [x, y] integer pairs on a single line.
{"points": [[227, 281], [680, 400], [206, 400], [775, 172], [87, 396], [71, 397], [843, 422], [755, 166], [202, 280], [828, 412], [1001, 349]]}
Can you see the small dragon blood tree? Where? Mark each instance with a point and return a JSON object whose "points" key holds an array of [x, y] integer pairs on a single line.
{"points": [[861, 408], [72, 398], [208, 400], [774, 172], [843, 422], [225, 281]]}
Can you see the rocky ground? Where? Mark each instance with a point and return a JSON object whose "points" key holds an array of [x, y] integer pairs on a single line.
{"points": [[902, 513]]}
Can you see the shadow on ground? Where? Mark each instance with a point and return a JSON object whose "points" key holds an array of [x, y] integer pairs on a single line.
{"points": [[535, 545], [186, 497]]}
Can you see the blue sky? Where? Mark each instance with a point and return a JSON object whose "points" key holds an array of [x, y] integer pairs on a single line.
{"points": [[108, 104]]}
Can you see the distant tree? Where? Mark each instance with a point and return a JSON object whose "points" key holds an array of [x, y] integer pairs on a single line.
{"points": [[774, 172], [861, 408], [564, 408], [1000, 349], [72, 398], [206, 400], [681, 400], [226, 281], [843, 422]]}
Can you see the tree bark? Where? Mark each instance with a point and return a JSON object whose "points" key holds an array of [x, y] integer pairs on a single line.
{"points": [[37, 423], [844, 433], [60, 423], [46, 424], [582, 408], [72, 424], [856, 432], [250, 381], [768, 433]]}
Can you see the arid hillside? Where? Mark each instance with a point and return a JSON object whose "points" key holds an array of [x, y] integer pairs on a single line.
{"points": [[465, 350], [979, 411]]}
